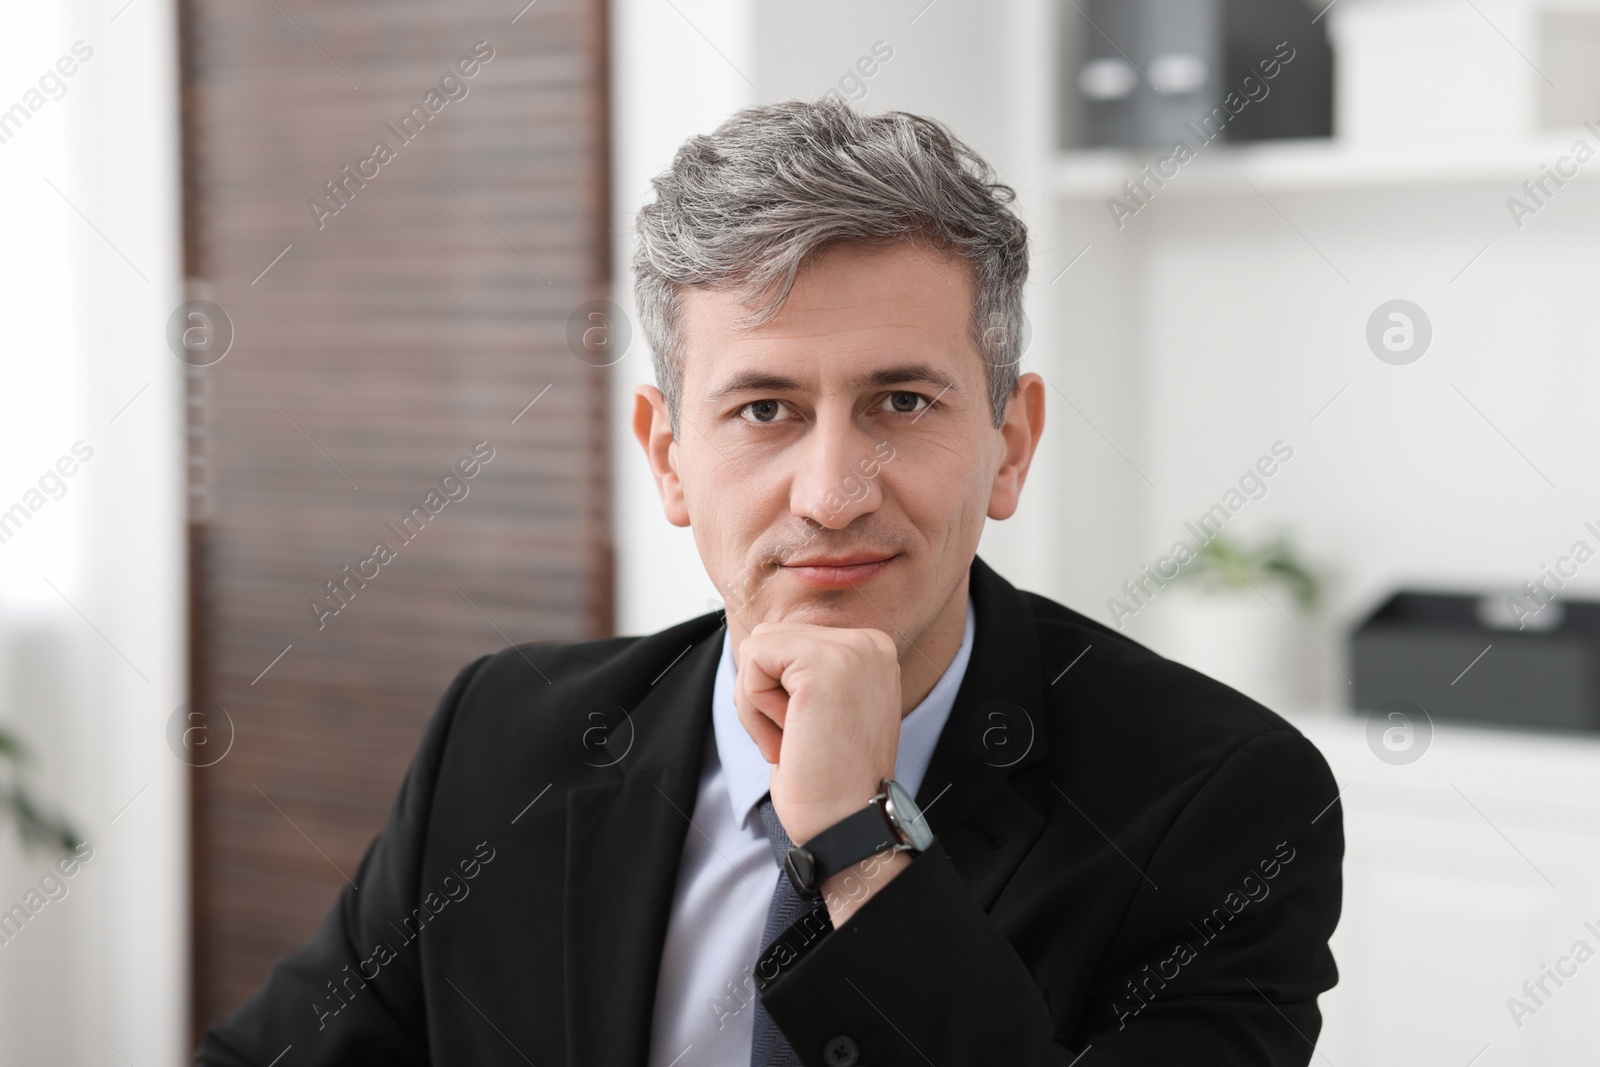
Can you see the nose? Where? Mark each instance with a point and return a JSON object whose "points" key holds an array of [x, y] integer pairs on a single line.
{"points": [[835, 480]]}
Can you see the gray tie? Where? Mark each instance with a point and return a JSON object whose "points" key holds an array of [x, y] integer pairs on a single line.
{"points": [[769, 1048]]}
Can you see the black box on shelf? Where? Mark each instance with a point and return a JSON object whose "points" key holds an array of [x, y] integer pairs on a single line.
{"points": [[1155, 73], [1469, 657]]}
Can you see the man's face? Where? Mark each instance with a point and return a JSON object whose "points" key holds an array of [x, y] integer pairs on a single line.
{"points": [[836, 465]]}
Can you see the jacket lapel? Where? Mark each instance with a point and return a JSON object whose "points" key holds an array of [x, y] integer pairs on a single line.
{"points": [[979, 802], [624, 842]]}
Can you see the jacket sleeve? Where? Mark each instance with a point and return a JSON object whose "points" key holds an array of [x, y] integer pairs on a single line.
{"points": [[1221, 963], [336, 1000]]}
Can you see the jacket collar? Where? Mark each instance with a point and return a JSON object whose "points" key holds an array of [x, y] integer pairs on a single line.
{"points": [[625, 836]]}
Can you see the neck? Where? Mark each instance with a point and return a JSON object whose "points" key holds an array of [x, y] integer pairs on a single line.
{"points": [[931, 652]]}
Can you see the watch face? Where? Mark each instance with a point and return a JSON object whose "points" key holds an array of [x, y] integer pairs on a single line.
{"points": [[908, 817]]}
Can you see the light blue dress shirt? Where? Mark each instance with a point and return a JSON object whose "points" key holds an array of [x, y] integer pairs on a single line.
{"points": [[705, 992]]}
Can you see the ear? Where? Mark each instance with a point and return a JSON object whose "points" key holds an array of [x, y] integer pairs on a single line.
{"points": [[653, 428], [1019, 437]]}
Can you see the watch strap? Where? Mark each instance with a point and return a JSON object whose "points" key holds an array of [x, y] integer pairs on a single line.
{"points": [[855, 837]]}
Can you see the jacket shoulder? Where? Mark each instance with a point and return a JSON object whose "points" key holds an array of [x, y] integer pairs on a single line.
{"points": [[1122, 688], [513, 689]]}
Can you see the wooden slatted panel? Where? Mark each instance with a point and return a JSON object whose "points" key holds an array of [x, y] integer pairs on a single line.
{"points": [[369, 358]]}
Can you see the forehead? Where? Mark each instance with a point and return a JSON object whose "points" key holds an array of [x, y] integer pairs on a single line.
{"points": [[851, 307]]}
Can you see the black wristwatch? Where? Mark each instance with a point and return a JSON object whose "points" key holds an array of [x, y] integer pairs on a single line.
{"points": [[891, 820]]}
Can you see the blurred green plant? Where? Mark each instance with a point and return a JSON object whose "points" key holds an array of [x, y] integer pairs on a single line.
{"points": [[1225, 564], [37, 827]]}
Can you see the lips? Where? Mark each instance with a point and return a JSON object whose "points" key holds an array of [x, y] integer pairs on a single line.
{"points": [[839, 571], [854, 559]]}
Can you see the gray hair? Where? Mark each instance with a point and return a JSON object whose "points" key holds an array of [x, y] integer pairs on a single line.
{"points": [[744, 208]]}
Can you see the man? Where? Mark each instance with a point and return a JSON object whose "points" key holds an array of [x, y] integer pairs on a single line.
{"points": [[1008, 834]]}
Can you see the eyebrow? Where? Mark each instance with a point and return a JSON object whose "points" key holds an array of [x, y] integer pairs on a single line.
{"points": [[767, 381]]}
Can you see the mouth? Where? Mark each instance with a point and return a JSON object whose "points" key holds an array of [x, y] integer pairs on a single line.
{"points": [[838, 571]]}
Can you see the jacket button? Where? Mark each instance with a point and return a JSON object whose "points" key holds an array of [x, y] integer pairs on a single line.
{"points": [[841, 1051]]}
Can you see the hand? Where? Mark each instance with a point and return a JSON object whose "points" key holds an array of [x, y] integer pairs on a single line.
{"points": [[823, 705]]}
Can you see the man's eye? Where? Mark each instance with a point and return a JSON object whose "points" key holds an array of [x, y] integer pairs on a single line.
{"points": [[762, 411], [907, 403]]}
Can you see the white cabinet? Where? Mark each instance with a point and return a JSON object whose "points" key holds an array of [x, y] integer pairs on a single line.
{"points": [[1467, 873]]}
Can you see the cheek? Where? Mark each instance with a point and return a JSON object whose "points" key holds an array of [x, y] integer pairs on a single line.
{"points": [[940, 467], [943, 484], [924, 488], [731, 505]]}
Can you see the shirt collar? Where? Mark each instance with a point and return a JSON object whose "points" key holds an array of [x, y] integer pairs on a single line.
{"points": [[748, 773]]}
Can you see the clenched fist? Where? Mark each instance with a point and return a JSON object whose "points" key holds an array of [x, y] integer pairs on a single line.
{"points": [[823, 704]]}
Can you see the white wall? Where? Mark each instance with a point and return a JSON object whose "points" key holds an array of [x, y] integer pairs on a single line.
{"points": [[1469, 468], [91, 588], [677, 69]]}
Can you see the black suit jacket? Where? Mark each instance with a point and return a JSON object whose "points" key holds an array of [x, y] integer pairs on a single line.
{"points": [[1130, 859]]}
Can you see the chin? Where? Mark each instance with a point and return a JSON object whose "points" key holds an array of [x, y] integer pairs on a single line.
{"points": [[844, 608]]}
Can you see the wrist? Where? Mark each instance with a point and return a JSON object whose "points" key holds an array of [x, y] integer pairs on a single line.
{"points": [[818, 817], [857, 854]]}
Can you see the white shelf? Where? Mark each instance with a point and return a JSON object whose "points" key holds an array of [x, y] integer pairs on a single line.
{"points": [[1529, 767], [1321, 165]]}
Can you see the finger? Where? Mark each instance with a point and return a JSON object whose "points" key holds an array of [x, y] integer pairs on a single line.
{"points": [[761, 716], [759, 679], [764, 732]]}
